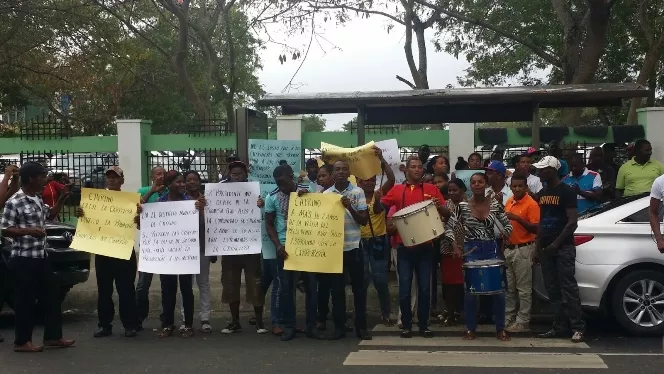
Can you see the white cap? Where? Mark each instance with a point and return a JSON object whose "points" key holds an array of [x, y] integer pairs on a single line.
{"points": [[547, 162]]}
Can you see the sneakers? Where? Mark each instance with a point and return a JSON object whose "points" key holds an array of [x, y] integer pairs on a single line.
{"points": [[206, 327], [406, 334], [28, 348], [130, 333], [182, 327], [260, 327], [517, 327], [551, 334], [102, 332], [232, 328], [426, 333], [577, 337]]}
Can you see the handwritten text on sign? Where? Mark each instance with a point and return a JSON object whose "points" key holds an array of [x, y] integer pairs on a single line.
{"points": [[169, 238], [232, 219], [107, 227], [315, 235], [264, 156], [362, 160]]}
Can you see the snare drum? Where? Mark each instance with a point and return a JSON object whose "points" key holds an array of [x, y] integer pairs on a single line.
{"points": [[484, 277], [418, 223]]}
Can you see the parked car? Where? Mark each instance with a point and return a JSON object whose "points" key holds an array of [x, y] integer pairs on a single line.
{"points": [[70, 267], [618, 266]]}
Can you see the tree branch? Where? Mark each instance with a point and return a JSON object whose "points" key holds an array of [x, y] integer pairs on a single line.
{"points": [[366, 11], [406, 81], [546, 56]]}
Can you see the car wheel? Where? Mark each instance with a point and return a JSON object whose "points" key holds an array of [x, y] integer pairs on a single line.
{"points": [[638, 302]]}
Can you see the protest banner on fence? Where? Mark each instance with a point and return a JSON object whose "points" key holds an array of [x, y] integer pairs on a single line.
{"points": [[232, 219], [169, 238], [362, 160], [264, 156], [465, 175], [107, 227], [267, 245], [315, 234]]}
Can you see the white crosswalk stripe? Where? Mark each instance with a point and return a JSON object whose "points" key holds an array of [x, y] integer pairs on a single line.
{"points": [[448, 349]]}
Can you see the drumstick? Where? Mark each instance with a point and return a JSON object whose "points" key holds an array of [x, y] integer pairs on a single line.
{"points": [[469, 252]]}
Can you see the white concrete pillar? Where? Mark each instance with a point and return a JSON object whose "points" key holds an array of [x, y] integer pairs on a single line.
{"points": [[462, 141], [132, 157], [652, 119], [289, 127]]}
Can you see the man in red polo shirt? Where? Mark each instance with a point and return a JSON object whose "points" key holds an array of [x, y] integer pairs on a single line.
{"points": [[420, 257]]}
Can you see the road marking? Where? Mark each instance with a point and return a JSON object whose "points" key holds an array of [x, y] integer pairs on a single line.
{"points": [[459, 328], [475, 359], [446, 341]]}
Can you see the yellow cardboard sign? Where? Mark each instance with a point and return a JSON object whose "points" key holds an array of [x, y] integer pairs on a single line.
{"points": [[362, 160], [107, 227], [315, 235]]}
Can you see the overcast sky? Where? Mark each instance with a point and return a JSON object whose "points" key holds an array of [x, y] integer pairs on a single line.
{"points": [[367, 58]]}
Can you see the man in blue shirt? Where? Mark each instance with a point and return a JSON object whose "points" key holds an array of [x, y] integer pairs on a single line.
{"points": [[586, 183], [357, 215], [276, 222]]}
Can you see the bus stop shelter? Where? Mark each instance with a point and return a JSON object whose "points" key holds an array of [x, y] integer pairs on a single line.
{"points": [[455, 105]]}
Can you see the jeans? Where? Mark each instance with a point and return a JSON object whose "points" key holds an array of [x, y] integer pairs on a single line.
{"points": [[169, 290], [485, 250], [417, 259], [204, 293], [375, 268], [143, 296], [269, 277], [123, 272], [558, 271], [285, 302], [34, 280]]}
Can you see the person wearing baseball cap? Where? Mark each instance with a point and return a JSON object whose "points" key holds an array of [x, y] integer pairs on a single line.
{"points": [[497, 189], [556, 250], [111, 270]]}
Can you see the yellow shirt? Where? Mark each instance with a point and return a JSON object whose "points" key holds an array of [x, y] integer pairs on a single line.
{"points": [[377, 222]]}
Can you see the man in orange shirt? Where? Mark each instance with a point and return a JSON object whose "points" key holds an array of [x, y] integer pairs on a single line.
{"points": [[524, 214]]}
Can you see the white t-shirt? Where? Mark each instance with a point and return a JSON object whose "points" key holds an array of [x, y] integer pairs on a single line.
{"points": [[534, 183], [657, 190]]}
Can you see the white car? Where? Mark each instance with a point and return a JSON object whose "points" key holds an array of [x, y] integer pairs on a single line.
{"points": [[618, 266]]}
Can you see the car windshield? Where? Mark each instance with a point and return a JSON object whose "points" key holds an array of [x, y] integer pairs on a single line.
{"points": [[605, 207]]}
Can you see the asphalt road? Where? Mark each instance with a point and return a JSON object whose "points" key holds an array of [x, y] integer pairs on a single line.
{"points": [[606, 350]]}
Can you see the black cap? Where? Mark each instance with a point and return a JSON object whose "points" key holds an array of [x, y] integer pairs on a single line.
{"points": [[237, 164], [31, 169]]}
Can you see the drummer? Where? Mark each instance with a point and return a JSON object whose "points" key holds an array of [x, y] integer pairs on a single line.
{"points": [[418, 257], [480, 215]]}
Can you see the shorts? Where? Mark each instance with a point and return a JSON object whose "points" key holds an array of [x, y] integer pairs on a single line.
{"points": [[231, 279]]}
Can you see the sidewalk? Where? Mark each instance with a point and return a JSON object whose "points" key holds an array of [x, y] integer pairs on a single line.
{"points": [[83, 298]]}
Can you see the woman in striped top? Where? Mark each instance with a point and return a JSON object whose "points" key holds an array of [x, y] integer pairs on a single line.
{"points": [[479, 216]]}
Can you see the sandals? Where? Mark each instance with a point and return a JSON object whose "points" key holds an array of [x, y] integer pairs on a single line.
{"points": [[469, 335], [502, 336], [166, 332], [187, 332]]}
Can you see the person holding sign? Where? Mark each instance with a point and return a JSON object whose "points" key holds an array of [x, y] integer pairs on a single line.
{"points": [[231, 272], [276, 224], [169, 283], [355, 202], [149, 194], [193, 187], [108, 270], [23, 220], [419, 257], [374, 244]]}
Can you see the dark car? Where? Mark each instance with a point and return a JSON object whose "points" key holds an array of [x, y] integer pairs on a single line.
{"points": [[70, 267]]}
